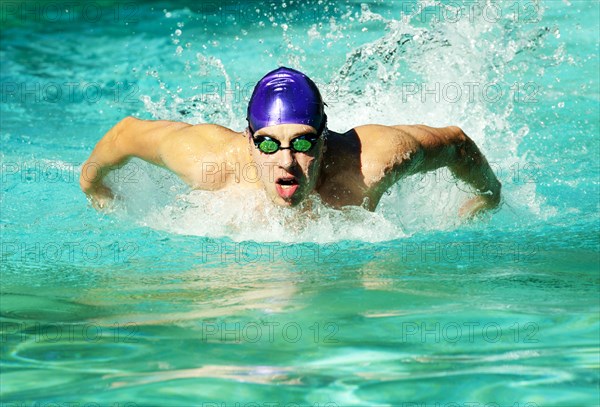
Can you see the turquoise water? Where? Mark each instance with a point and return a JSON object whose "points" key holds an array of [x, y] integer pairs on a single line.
{"points": [[181, 298]]}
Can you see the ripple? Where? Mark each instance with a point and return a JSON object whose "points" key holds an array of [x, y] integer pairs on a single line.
{"points": [[30, 307], [71, 354]]}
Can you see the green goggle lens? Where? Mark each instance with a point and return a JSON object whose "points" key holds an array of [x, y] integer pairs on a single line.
{"points": [[268, 146], [302, 145]]}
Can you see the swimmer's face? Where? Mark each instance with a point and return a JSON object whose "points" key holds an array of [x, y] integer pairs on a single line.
{"points": [[288, 176]]}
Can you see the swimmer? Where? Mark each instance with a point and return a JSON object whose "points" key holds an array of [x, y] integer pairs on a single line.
{"points": [[288, 151]]}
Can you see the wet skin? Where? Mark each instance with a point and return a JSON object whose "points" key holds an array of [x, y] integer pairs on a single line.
{"points": [[351, 168]]}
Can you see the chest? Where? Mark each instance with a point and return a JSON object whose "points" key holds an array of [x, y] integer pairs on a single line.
{"points": [[345, 187]]}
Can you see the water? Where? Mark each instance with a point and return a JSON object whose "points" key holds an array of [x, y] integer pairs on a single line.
{"points": [[184, 298]]}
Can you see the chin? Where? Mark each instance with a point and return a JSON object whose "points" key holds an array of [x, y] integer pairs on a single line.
{"points": [[287, 203]]}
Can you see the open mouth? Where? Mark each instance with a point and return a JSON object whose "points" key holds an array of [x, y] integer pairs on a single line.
{"points": [[286, 186], [287, 181]]}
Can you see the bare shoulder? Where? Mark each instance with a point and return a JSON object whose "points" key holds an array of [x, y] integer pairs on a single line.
{"points": [[209, 138], [399, 149], [141, 125], [191, 151], [184, 148], [179, 131], [386, 145], [377, 136], [407, 138], [427, 135]]}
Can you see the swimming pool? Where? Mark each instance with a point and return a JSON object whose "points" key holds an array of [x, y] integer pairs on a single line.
{"points": [[194, 298]]}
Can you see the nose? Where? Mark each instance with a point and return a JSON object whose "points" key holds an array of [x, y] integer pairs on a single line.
{"points": [[286, 159]]}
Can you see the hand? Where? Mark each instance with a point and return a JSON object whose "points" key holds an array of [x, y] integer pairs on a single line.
{"points": [[100, 196]]}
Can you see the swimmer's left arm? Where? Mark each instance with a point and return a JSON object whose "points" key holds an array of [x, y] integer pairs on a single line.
{"points": [[451, 147]]}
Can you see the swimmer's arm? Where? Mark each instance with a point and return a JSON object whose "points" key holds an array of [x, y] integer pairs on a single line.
{"points": [[451, 147], [162, 143]]}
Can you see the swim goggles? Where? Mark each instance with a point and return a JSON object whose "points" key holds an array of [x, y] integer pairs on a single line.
{"points": [[300, 144]]}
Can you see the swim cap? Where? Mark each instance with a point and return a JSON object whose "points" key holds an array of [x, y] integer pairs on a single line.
{"points": [[285, 96]]}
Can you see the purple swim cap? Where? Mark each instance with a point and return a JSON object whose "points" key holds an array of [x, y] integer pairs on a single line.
{"points": [[285, 96]]}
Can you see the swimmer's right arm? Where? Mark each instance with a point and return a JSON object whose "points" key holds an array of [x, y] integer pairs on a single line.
{"points": [[157, 142]]}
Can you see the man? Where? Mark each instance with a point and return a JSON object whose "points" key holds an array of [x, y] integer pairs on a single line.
{"points": [[288, 151]]}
